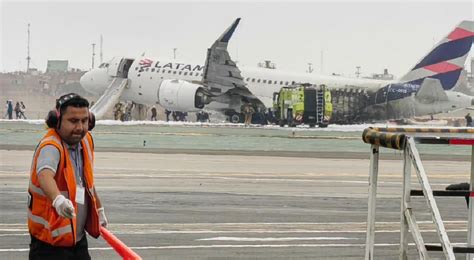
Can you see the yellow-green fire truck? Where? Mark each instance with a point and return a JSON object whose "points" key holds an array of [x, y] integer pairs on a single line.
{"points": [[303, 104]]}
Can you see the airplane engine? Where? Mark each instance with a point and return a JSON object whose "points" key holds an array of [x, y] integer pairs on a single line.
{"points": [[180, 95]]}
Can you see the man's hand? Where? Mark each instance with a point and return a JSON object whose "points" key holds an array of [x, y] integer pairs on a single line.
{"points": [[64, 207], [102, 218]]}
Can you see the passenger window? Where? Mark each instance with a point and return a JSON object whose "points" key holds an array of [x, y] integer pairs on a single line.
{"points": [[264, 81], [185, 73], [253, 80], [269, 82], [169, 71], [153, 70], [190, 73], [147, 69], [247, 79], [286, 83], [258, 80], [180, 72], [174, 72], [136, 68], [164, 71], [281, 82], [293, 83]]}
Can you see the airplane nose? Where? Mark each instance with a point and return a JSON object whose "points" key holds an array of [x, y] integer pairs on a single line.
{"points": [[83, 80], [86, 81]]}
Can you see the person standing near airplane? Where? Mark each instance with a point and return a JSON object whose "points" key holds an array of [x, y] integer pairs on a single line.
{"points": [[153, 113], [62, 199], [468, 120], [248, 112]]}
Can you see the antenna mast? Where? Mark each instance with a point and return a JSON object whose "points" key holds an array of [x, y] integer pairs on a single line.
{"points": [[322, 61], [101, 53], [28, 58], [93, 55]]}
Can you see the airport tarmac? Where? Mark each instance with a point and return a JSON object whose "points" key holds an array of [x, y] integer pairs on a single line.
{"points": [[190, 206]]}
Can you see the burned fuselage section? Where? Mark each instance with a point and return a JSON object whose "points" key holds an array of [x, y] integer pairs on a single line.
{"points": [[352, 105]]}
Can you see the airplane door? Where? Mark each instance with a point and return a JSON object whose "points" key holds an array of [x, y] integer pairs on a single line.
{"points": [[112, 69], [123, 68], [118, 67]]}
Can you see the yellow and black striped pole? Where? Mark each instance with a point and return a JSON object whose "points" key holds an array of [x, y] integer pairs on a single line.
{"points": [[389, 140]]}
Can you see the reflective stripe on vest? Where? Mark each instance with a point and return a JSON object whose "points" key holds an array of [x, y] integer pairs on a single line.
{"points": [[88, 147], [38, 219], [35, 189], [61, 231], [51, 138], [39, 191], [42, 221]]}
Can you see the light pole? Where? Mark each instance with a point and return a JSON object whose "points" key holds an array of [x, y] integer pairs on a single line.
{"points": [[93, 55]]}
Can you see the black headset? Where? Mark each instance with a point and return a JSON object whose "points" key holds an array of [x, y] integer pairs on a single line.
{"points": [[53, 119]]}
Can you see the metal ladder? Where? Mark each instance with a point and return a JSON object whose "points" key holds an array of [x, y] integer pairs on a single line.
{"points": [[319, 105], [392, 138]]}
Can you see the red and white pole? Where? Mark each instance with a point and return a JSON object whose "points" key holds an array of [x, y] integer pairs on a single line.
{"points": [[123, 250]]}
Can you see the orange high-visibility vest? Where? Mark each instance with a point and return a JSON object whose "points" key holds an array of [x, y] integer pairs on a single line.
{"points": [[44, 223]]}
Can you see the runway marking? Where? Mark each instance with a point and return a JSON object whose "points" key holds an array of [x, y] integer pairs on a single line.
{"points": [[14, 235], [452, 226], [266, 239], [232, 246], [260, 223], [254, 232]]}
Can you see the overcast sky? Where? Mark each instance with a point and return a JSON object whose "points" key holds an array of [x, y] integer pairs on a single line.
{"points": [[371, 34]]}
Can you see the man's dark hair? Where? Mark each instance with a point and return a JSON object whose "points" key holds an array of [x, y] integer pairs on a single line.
{"points": [[70, 99]]}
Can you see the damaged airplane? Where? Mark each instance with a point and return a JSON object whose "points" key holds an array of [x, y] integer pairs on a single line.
{"points": [[220, 84]]}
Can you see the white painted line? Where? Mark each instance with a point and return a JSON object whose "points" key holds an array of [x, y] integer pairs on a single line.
{"points": [[272, 223], [230, 246], [166, 232], [266, 231], [14, 235], [266, 239]]}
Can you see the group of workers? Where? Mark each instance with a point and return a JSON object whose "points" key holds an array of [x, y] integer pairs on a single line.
{"points": [[19, 110]]}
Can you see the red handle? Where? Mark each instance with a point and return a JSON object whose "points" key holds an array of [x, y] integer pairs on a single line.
{"points": [[123, 250]]}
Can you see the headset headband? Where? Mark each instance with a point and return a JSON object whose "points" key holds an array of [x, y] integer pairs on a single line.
{"points": [[62, 100]]}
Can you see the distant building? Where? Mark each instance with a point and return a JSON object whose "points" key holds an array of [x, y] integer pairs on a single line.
{"points": [[384, 76], [267, 65], [57, 66], [33, 71]]}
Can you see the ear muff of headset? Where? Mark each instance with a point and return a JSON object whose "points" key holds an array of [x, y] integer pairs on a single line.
{"points": [[91, 121], [52, 119]]}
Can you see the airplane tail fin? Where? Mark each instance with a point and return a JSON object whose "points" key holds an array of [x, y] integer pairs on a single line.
{"points": [[446, 60]]}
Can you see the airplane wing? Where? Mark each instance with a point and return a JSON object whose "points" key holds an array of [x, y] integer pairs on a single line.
{"points": [[109, 98], [221, 73]]}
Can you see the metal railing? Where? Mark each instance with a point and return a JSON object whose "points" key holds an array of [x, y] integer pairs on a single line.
{"points": [[405, 139]]}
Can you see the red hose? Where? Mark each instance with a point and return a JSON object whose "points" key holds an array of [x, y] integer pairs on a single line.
{"points": [[123, 250]]}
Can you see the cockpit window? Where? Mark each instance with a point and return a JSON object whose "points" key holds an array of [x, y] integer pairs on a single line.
{"points": [[104, 65]]}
